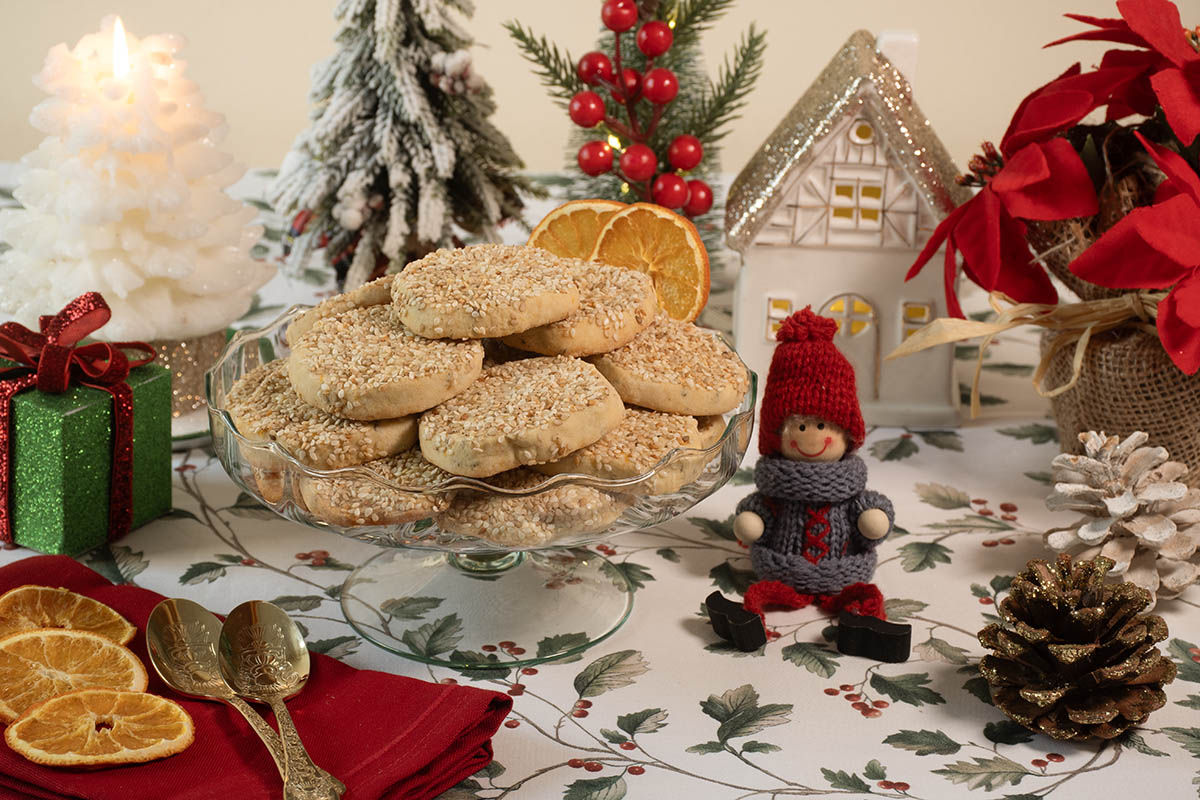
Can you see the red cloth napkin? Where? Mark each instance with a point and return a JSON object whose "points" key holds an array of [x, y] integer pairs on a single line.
{"points": [[384, 736]]}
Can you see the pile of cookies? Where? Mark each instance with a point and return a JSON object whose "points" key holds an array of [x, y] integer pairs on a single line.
{"points": [[497, 362]]}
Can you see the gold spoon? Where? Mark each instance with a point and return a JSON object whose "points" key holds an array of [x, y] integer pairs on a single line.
{"points": [[262, 657], [181, 637]]}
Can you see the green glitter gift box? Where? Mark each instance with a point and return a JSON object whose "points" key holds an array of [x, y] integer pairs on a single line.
{"points": [[62, 457]]}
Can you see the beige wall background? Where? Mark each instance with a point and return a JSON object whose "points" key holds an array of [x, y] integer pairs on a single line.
{"points": [[252, 60]]}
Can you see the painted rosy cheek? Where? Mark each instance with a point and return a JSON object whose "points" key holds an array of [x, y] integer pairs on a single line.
{"points": [[795, 446]]}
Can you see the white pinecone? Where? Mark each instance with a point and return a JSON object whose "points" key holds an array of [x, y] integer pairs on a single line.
{"points": [[1135, 510]]}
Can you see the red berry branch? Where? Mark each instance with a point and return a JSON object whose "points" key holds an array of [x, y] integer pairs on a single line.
{"points": [[638, 163]]}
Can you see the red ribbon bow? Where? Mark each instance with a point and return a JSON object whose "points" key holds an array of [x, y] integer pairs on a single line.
{"points": [[51, 361]]}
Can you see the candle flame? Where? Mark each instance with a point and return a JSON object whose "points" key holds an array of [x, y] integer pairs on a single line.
{"points": [[120, 54]]}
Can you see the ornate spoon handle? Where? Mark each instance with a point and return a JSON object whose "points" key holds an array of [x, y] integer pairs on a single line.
{"points": [[300, 774], [271, 740]]}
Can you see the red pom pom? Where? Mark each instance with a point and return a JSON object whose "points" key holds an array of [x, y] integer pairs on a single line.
{"points": [[807, 326]]}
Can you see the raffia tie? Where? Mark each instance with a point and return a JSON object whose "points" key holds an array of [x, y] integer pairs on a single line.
{"points": [[1074, 322]]}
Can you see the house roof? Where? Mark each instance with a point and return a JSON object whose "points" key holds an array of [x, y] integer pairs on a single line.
{"points": [[909, 138]]}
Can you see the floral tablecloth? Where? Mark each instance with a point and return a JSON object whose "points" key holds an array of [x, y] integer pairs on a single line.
{"points": [[662, 708]]}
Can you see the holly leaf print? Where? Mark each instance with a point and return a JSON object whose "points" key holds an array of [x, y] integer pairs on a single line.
{"points": [[434, 638], [409, 607], [1134, 739], [917, 556], [985, 773], [942, 440], [731, 579], [610, 788], [201, 572], [561, 642], [874, 771], [293, 602], [908, 688], [935, 649], [941, 496], [1006, 731], [610, 672], [647, 721], [846, 782], [1188, 737], [924, 743], [964, 396], [1035, 432], [753, 746], [337, 647], [1004, 368], [900, 447], [899, 609], [814, 658], [626, 571], [1182, 653], [739, 713], [480, 666], [246, 506], [715, 528]]}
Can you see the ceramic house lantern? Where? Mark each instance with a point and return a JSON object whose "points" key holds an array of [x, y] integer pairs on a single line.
{"points": [[832, 211]]}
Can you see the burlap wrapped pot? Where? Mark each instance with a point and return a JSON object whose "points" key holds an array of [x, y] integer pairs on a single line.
{"points": [[1127, 383]]}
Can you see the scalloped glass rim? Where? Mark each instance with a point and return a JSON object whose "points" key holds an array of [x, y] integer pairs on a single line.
{"points": [[269, 342]]}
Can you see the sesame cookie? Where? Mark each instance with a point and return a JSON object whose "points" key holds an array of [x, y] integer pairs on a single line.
{"points": [[711, 428], [377, 292], [531, 520], [265, 407], [635, 447], [485, 291], [676, 367], [350, 500], [615, 305], [519, 413], [361, 365]]}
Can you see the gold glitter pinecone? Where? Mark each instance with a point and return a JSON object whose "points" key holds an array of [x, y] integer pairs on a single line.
{"points": [[1073, 659]]}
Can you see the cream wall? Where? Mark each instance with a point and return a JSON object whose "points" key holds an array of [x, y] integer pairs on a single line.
{"points": [[252, 58]]}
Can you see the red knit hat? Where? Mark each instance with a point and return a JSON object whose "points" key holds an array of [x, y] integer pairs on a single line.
{"points": [[809, 377]]}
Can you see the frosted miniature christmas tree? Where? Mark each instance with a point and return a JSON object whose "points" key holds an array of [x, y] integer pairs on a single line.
{"points": [[400, 151], [126, 196]]}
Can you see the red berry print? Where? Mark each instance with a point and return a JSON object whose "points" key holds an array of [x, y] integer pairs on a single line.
{"points": [[449, 681], [990, 543], [512, 723], [987, 601], [1009, 507], [1057, 758], [579, 713], [488, 648], [575, 763], [303, 556], [583, 703], [320, 554], [831, 691], [853, 698], [847, 687], [1008, 517], [900, 786], [529, 671], [517, 690], [885, 785], [979, 501], [1007, 541], [986, 512], [1040, 763], [248, 562], [592, 766], [628, 746], [860, 706], [318, 562], [636, 769], [517, 651], [506, 645], [881, 704], [872, 713]]}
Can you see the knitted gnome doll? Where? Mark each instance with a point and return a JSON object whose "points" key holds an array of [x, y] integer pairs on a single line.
{"points": [[812, 526]]}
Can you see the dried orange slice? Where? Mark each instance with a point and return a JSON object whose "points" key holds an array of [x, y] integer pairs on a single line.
{"points": [[101, 726], [27, 608], [37, 665], [571, 229], [653, 239]]}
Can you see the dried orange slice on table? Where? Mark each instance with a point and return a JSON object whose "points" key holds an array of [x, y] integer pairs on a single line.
{"points": [[653, 239], [101, 726], [37, 665], [27, 608], [571, 229]]}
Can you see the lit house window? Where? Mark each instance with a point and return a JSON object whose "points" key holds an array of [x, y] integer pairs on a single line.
{"points": [[778, 309], [856, 205], [861, 132], [914, 317], [852, 314]]}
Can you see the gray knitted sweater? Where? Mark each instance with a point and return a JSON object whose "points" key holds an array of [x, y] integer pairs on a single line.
{"points": [[810, 514]]}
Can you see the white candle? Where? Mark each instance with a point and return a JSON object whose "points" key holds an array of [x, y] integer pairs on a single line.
{"points": [[126, 196]]}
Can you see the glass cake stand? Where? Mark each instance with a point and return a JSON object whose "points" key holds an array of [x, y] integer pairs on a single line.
{"points": [[462, 601]]}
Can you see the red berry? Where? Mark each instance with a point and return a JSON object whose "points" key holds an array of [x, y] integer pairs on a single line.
{"points": [[669, 190], [906, 436], [303, 556], [1009, 507], [987, 601], [660, 86], [1008, 541], [979, 501], [592, 766], [900, 786], [773, 635], [831, 692], [449, 681], [575, 763], [518, 686], [700, 198], [631, 79], [529, 671], [1008, 517], [318, 562], [860, 706], [989, 543], [586, 109], [881, 704], [595, 67], [517, 651], [636, 770], [512, 723], [488, 648], [986, 512], [655, 38], [638, 163], [517, 691], [1055, 757], [1196, 659], [628, 746], [854, 697], [1040, 763], [847, 687], [506, 645], [619, 15], [583, 703], [885, 784], [1195, 651], [685, 152], [248, 562], [320, 554], [871, 713], [595, 158]]}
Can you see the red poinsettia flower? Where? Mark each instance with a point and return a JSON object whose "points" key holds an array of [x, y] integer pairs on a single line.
{"points": [[1169, 69], [1155, 247], [1041, 178]]}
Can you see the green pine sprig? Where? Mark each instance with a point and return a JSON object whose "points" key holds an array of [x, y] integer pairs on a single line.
{"points": [[555, 67], [710, 118], [693, 17]]}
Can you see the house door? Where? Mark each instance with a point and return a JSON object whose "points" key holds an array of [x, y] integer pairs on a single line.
{"points": [[858, 339]]}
